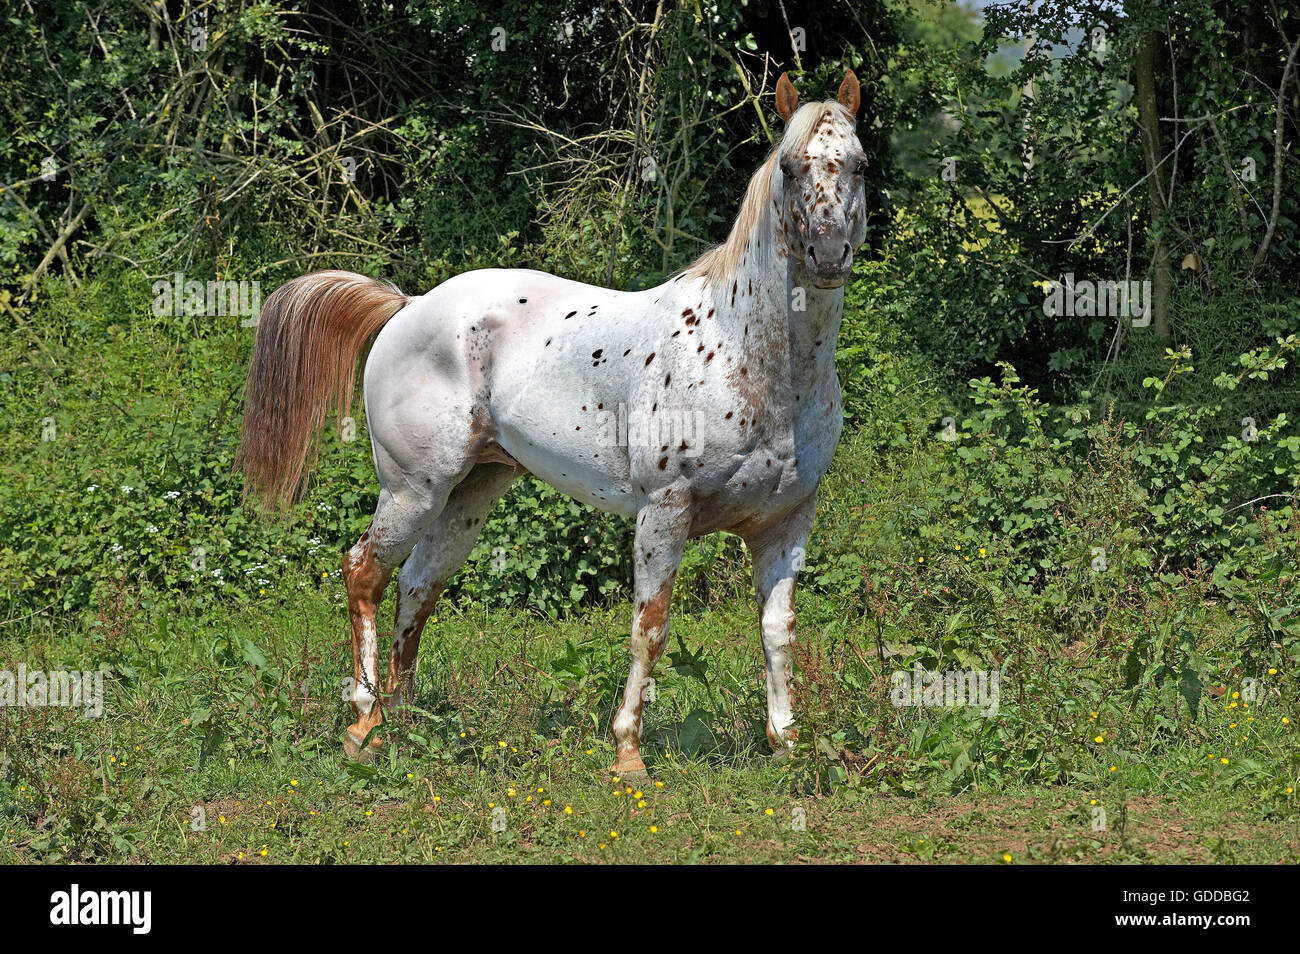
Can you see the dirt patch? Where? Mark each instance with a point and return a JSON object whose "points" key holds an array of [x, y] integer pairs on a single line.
{"points": [[1049, 830], [227, 807]]}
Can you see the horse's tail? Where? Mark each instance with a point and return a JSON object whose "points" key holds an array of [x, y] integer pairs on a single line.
{"points": [[310, 336]]}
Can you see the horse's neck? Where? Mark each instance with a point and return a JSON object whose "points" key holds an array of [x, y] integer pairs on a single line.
{"points": [[813, 332], [795, 323]]}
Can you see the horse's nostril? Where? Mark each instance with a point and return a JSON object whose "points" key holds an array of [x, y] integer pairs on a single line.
{"points": [[845, 253], [812, 254]]}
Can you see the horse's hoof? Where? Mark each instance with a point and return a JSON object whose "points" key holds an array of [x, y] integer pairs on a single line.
{"points": [[353, 748], [630, 769], [784, 742]]}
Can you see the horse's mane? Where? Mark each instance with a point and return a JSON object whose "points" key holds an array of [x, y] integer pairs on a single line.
{"points": [[720, 262]]}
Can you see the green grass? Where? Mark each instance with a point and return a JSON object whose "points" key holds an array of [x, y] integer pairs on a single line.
{"points": [[220, 740]]}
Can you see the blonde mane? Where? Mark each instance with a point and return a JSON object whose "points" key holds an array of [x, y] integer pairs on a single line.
{"points": [[719, 263]]}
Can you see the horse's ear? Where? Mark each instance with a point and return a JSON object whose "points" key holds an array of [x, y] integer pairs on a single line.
{"points": [[850, 93], [787, 100]]}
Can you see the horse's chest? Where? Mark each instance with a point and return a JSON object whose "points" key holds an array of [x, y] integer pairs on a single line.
{"points": [[772, 465], [795, 454]]}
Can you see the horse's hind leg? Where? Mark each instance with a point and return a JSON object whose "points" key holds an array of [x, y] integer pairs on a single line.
{"points": [[662, 527], [427, 433], [399, 522], [367, 567], [440, 553]]}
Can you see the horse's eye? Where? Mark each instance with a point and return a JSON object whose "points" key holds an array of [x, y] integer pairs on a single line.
{"points": [[786, 170], [861, 170]]}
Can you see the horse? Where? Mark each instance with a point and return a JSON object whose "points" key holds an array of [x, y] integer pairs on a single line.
{"points": [[495, 372]]}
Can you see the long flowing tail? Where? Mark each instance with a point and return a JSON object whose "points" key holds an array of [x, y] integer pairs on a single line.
{"points": [[310, 336]]}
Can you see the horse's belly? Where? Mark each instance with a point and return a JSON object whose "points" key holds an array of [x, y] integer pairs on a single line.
{"points": [[593, 470]]}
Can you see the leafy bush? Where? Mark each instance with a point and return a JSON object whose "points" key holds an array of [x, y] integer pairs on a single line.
{"points": [[1063, 498], [542, 550]]}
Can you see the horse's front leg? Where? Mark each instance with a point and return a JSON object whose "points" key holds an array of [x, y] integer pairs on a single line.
{"points": [[662, 528], [778, 552]]}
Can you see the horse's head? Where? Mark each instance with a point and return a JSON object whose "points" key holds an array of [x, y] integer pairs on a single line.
{"points": [[822, 188]]}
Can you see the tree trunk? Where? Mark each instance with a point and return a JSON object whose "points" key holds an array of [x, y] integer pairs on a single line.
{"points": [[1149, 122]]}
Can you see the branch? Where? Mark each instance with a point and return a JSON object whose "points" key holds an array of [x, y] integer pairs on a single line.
{"points": [[54, 251], [1277, 157], [1232, 175]]}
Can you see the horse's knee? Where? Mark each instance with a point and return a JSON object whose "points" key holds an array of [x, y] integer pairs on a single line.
{"points": [[363, 575], [778, 623], [650, 622]]}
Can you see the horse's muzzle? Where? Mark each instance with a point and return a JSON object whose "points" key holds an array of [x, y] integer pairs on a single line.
{"points": [[829, 262]]}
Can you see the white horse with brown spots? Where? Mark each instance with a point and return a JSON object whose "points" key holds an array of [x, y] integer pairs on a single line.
{"points": [[727, 371]]}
